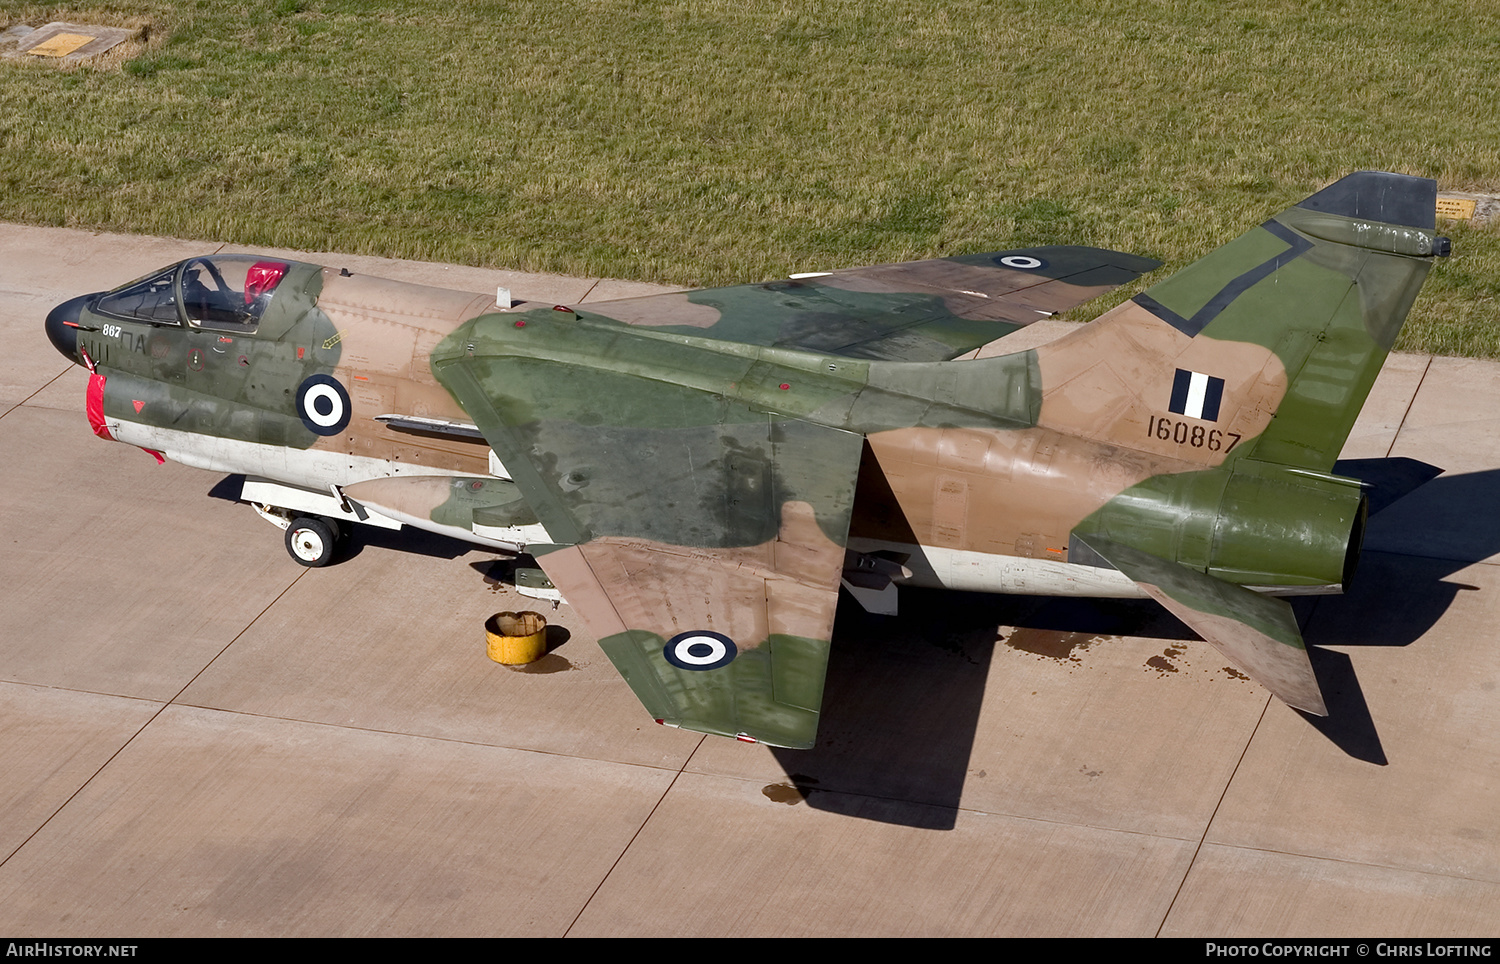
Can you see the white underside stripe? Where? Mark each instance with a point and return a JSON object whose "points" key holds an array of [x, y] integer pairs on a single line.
{"points": [[982, 572], [930, 566], [308, 469]]}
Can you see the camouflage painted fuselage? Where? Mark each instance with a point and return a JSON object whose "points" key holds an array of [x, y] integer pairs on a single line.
{"points": [[698, 472], [229, 396]]}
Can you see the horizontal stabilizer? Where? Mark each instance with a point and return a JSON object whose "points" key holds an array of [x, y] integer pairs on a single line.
{"points": [[1258, 634]]}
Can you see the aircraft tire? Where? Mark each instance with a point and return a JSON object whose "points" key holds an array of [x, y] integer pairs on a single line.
{"points": [[311, 542]]}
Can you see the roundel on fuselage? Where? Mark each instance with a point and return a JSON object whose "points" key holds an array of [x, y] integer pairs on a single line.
{"points": [[323, 405]]}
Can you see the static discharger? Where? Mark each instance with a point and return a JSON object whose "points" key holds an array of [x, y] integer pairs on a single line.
{"points": [[515, 639]]}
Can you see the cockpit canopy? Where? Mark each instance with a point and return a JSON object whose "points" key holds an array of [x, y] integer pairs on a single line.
{"points": [[227, 292]]}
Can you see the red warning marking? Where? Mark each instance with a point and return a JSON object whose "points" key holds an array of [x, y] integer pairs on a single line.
{"points": [[93, 405], [155, 455], [138, 405]]}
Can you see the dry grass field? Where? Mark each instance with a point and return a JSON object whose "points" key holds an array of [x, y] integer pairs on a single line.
{"points": [[704, 142]]}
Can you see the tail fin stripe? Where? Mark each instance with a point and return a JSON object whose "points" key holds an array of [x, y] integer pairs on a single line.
{"points": [[1184, 325], [1296, 245]]}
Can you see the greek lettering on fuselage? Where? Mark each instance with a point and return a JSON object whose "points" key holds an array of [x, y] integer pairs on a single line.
{"points": [[129, 340]]}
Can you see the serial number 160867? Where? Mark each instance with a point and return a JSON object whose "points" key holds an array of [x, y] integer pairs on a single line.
{"points": [[1197, 436]]}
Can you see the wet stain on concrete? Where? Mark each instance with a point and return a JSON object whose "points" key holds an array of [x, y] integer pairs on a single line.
{"points": [[1163, 663], [1052, 643], [783, 793], [797, 789], [1235, 674]]}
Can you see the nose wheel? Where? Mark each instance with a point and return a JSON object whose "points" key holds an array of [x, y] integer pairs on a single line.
{"points": [[312, 542]]}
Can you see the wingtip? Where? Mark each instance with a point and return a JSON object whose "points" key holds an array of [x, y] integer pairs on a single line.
{"points": [[1379, 196]]}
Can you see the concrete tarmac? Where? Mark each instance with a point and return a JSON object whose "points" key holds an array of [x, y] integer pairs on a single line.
{"points": [[200, 737]]}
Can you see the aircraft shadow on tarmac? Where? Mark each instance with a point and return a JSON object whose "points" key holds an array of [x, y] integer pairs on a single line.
{"points": [[904, 693], [1402, 588]]}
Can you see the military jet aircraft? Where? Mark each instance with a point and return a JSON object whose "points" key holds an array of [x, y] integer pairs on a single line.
{"points": [[700, 472]]}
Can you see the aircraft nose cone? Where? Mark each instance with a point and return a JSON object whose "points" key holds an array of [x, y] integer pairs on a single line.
{"points": [[62, 329]]}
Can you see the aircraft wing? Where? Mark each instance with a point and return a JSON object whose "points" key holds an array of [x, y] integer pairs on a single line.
{"points": [[917, 311], [700, 539]]}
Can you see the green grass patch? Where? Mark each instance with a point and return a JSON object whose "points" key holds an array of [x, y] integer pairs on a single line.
{"points": [[703, 142]]}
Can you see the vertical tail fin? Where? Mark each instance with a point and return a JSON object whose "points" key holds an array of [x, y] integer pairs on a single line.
{"points": [[1268, 345], [1257, 358]]}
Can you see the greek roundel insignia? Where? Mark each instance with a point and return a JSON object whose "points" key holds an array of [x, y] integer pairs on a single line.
{"points": [[323, 405], [1196, 395], [700, 649]]}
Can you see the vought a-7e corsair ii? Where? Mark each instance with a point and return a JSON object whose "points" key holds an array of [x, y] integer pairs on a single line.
{"points": [[699, 472]]}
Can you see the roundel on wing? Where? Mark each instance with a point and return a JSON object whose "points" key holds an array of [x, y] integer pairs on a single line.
{"points": [[700, 649], [323, 405], [1023, 261]]}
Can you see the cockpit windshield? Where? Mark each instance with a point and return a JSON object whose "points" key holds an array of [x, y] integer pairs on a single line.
{"points": [[225, 293], [229, 293], [150, 299]]}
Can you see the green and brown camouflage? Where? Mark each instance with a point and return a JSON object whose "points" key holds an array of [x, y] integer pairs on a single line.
{"points": [[700, 472]]}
